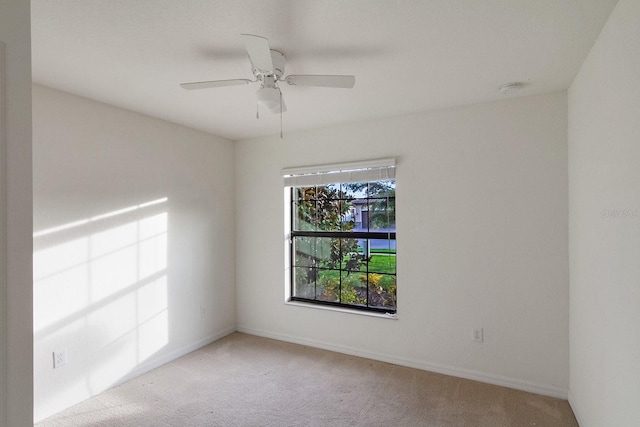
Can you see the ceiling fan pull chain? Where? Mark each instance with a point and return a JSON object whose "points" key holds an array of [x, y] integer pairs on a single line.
{"points": [[280, 113], [257, 112]]}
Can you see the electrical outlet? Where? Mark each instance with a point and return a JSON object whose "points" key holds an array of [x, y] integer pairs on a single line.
{"points": [[477, 335], [59, 358], [203, 311]]}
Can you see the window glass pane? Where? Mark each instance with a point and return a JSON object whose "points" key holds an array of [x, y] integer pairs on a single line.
{"points": [[382, 290], [382, 215], [383, 256], [328, 285], [323, 252], [347, 211], [304, 215], [354, 288], [305, 193], [328, 192], [382, 205], [358, 208], [382, 189], [354, 190], [351, 251], [304, 282], [304, 251], [328, 209], [327, 252], [353, 254]]}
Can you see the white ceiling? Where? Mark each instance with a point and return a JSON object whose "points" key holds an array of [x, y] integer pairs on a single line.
{"points": [[407, 55]]}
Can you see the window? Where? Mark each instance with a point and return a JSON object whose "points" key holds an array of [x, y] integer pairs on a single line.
{"points": [[342, 235]]}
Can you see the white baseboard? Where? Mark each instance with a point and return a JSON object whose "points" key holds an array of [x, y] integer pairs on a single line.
{"points": [[576, 410], [543, 389], [154, 363]]}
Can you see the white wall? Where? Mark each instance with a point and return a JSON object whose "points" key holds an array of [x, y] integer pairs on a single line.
{"points": [[604, 223], [16, 371], [120, 282], [482, 241]]}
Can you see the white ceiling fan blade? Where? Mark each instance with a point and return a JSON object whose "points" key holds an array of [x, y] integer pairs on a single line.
{"points": [[346, 82], [214, 83], [259, 52]]}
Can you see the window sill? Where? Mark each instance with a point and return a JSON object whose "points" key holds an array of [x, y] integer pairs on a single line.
{"points": [[344, 310]]}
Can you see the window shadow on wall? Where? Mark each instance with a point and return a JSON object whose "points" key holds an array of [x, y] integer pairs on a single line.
{"points": [[100, 292]]}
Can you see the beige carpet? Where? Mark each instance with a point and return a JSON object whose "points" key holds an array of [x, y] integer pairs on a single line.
{"points": [[244, 380]]}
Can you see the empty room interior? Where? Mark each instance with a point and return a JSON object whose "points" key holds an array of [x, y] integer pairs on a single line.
{"points": [[446, 186]]}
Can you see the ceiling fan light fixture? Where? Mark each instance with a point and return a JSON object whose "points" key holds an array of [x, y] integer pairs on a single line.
{"points": [[269, 98]]}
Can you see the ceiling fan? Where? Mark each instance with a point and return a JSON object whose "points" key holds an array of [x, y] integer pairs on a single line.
{"points": [[267, 66]]}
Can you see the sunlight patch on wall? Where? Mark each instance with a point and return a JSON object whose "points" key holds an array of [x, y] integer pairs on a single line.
{"points": [[100, 290]]}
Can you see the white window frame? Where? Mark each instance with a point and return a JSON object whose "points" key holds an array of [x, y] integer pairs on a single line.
{"points": [[362, 171]]}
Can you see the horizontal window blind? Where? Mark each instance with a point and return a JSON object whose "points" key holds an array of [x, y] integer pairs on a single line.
{"points": [[370, 170]]}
